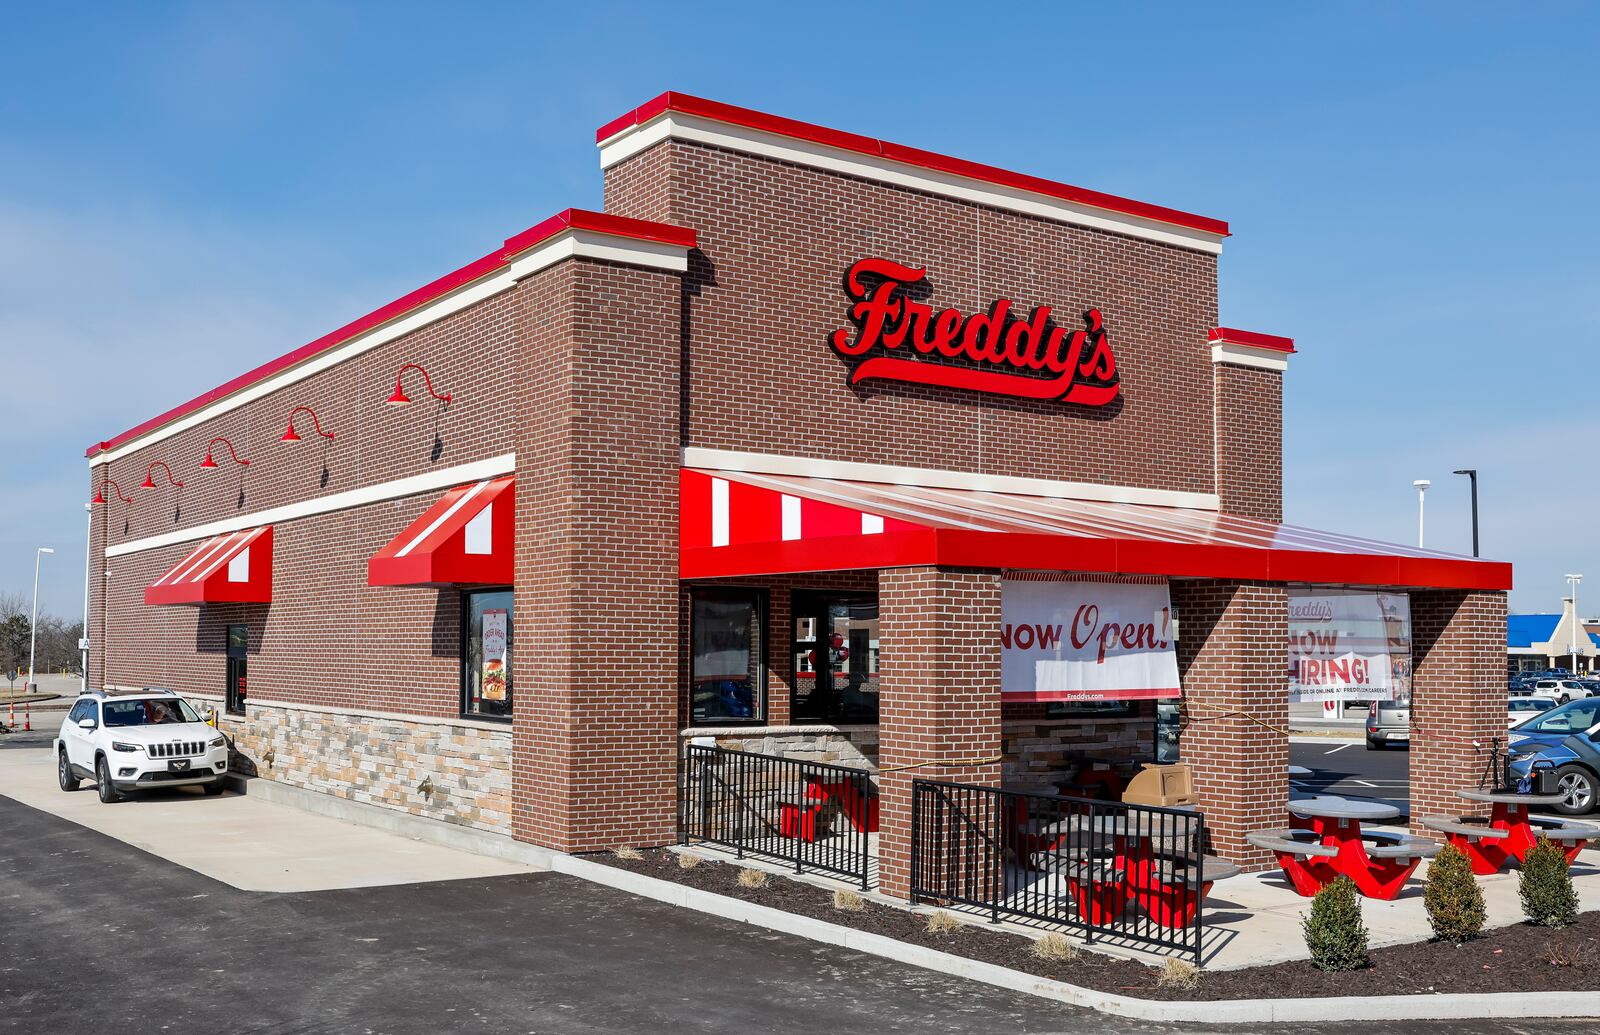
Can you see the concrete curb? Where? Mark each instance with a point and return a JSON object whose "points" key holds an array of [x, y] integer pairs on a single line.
{"points": [[1496, 1005]]}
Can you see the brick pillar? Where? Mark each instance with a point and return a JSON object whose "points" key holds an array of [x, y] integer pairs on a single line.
{"points": [[1249, 439], [594, 742], [939, 672], [1457, 693], [1232, 658]]}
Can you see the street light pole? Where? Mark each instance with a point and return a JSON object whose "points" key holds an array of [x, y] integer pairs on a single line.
{"points": [[1472, 473], [33, 627], [1422, 491], [88, 546], [1573, 580]]}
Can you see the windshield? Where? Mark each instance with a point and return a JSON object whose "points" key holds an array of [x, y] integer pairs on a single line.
{"points": [[1573, 717], [149, 712]]}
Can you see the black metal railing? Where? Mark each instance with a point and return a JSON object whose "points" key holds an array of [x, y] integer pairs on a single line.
{"points": [[1122, 873], [812, 815]]}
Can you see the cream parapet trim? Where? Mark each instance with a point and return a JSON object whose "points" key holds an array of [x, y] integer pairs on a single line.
{"points": [[851, 471], [450, 477], [568, 244], [1249, 356], [675, 125]]}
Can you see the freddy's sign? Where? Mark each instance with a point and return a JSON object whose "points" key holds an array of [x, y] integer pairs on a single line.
{"points": [[898, 338]]}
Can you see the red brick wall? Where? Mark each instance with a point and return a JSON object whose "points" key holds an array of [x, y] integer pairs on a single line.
{"points": [[1249, 407], [764, 294], [595, 740], [939, 662], [327, 638], [1457, 694], [1232, 666]]}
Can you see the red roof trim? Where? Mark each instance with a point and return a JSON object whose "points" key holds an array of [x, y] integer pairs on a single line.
{"points": [[750, 119], [1255, 340], [571, 219]]}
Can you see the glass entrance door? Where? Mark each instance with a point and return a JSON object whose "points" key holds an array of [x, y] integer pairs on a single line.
{"points": [[835, 652]]}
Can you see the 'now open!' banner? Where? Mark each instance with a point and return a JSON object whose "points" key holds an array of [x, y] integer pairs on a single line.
{"points": [[1075, 640]]}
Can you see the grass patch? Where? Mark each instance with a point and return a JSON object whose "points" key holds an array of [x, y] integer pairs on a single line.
{"points": [[624, 852], [687, 861], [1057, 948], [749, 878], [847, 901], [1176, 973], [941, 922]]}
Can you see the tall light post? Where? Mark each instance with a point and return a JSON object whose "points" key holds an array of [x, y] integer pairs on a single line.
{"points": [[33, 627], [1472, 472], [1422, 492], [88, 549], [1573, 580]]}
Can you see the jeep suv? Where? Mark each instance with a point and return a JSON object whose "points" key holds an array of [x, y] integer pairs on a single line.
{"points": [[135, 740]]}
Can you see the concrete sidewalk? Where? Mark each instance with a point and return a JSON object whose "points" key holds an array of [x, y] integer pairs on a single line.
{"points": [[249, 844]]}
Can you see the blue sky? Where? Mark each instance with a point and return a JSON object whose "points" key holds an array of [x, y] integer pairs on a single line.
{"points": [[187, 190]]}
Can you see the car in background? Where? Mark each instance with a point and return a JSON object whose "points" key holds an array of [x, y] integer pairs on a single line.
{"points": [[1521, 709], [1389, 722], [1563, 690], [1568, 738]]}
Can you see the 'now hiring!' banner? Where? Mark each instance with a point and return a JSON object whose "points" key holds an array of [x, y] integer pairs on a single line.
{"points": [[1349, 645], [1069, 639]]}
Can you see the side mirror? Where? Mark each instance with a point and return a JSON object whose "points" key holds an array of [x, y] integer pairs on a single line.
{"points": [[87, 724]]}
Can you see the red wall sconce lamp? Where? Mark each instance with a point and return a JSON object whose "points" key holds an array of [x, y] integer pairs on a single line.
{"points": [[100, 493], [400, 398], [209, 461], [150, 482], [292, 436]]}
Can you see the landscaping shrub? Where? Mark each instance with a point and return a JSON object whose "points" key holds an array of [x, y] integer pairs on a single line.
{"points": [[942, 923], [1546, 886], [1333, 929], [1056, 948], [749, 878], [1176, 973], [624, 852], [847, 901], [687, 861], [1452, 897]]}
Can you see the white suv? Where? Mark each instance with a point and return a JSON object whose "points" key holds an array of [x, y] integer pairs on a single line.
{"points": [[135, 740], [1563, 690]]}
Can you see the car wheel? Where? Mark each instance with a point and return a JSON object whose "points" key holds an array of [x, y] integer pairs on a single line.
{"points": [[1576, 786], [64, 774], [103, 784], [213, 789], [1564, 698], [1373, 745]]}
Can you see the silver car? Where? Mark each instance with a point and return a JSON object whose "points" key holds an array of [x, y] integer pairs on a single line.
{"points": [[1389, 722]]}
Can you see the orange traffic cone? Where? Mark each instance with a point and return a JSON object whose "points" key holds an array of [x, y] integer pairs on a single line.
{"points": [[27, 717]]}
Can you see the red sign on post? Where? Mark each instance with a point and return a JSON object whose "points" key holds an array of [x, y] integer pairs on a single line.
{"points": [[995, 351]]}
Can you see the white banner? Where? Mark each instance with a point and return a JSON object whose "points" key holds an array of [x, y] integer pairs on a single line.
{"points": [[1074, 640], [1349, 645]]}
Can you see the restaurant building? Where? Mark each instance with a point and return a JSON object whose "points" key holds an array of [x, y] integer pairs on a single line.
{"points": [[810, 444]]}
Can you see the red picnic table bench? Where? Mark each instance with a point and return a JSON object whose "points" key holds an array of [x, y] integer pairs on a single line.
{"points": [[1509, 831], [800, 818], [1378, 862]]}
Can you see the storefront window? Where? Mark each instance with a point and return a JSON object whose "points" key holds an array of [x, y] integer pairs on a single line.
{"points": [[835, 654], [726, 668], [486, 657]]}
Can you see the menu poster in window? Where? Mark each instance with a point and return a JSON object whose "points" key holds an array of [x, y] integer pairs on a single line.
{"points": [[1349, 645], [1068, 639], [494, 654]]}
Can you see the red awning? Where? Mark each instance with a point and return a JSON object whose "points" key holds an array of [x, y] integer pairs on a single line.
{"points": [[232, 568], [467, 537], [735, 523]]}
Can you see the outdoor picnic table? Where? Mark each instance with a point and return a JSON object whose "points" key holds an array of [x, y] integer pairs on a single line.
{"points": [[1508, 813], [1379, 872]]}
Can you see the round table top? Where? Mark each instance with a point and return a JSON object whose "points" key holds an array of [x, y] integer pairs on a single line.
{"points": [[1510, 797], [1327, 807]]}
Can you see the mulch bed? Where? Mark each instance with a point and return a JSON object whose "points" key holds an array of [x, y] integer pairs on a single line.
{"points": [[1521, 958]]}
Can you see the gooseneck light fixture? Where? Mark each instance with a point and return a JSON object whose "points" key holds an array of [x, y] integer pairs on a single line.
{"points": [[100, 493], [209, 461], [292, 436], [149, 480], [400, 398]]}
